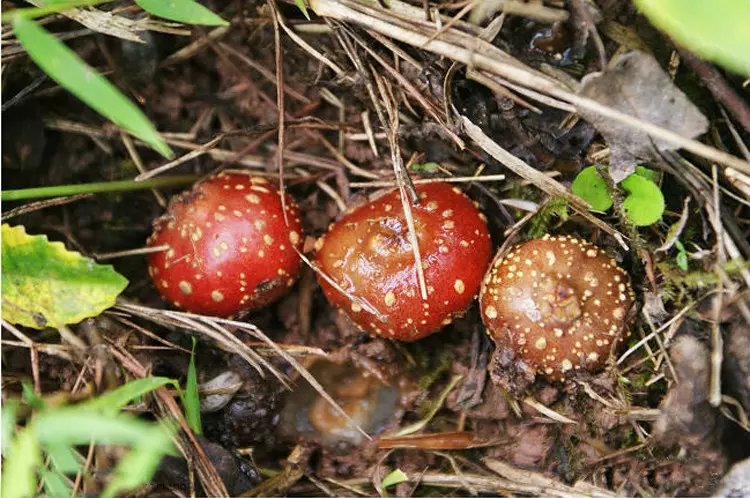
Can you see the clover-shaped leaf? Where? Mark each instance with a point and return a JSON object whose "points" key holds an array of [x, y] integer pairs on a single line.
{"points": [[592, 188], [643, 204]]}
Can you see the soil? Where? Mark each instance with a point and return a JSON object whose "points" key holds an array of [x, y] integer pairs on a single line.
{"points": [[644, 426]]}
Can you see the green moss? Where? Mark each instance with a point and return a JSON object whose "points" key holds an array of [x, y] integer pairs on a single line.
{"points": [[554, 210]]}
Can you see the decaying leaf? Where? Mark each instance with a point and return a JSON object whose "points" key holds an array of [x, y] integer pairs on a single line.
{"points": [[45, 285], [636, 84], [736, 483], [686, 415]]}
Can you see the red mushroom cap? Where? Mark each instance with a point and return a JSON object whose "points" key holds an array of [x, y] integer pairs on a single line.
{"points": [[560, 304], [368, 253], [229, 249]]}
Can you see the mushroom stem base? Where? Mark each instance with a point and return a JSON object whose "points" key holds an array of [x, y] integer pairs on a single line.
{"points": [[510, 372]]}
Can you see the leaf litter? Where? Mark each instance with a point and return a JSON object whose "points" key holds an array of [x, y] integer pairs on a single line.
{"points": [[597, 436], [636, 84]]}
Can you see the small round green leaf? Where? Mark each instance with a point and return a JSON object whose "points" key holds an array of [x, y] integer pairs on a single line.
{"points": [[45, 285], [644, 204], [592, 188], [646, 173]]}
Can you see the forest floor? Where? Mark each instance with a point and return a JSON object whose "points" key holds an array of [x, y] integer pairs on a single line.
{"points": [[365, 94]]}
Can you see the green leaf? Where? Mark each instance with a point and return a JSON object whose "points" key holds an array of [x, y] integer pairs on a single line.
{"points": [[114, 400], [426, 167], [682, 260], [184, 11], [646, 173], [645, 203], [301, 6], [63, 458], [45, 285], [134, 469], [716, 30], [395, 477], [74, 426], [592, 188], [19, 467], [29, 396], [55, 484], [192, 399], [73, 74], [9, 411]]}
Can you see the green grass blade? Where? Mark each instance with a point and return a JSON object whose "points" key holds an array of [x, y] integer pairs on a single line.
{"points": [[75, 426], [96, 187], [113, 401], [55, 484], [302, 7], [19, 467], [73, 74], [184, 11], [136, 468], [9, 411], [28, 395], [50, 7], [395, 477], [192, 399], [63, 458]]}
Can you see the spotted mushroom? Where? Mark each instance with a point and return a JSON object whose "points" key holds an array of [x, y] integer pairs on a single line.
{"points": [[227, 246], [554, 306], [369, 255]]}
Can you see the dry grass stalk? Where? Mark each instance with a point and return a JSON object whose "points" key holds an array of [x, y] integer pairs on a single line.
{"points": [[423, 181], [38, 205], [215, 329], [203, 149], [186, 441], [476, 53], [539, 179], [548, 412]]}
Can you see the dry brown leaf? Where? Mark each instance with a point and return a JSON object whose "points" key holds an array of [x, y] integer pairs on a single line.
{"points": [[636, 84]]}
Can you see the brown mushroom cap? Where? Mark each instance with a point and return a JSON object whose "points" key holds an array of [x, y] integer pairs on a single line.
{"points": [[559, 303]]}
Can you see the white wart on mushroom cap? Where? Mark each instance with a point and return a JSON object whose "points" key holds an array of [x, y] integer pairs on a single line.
{"points": [[559, 303]]}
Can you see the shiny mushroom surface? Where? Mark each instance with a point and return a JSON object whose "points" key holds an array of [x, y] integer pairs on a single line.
{"points": [[228, 246], [369, 254]]}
